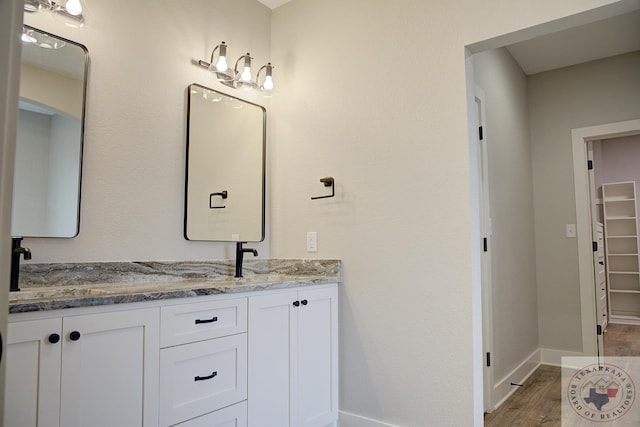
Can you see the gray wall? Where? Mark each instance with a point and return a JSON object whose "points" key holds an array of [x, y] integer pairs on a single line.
{"points": [[514, 302], [594, 93], [373, 93], [135, 138]]}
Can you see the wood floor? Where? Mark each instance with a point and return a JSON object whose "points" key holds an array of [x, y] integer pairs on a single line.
{"points": [[538, 403]]}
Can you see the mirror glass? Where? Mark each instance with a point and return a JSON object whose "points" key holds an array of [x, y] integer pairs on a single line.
{"points": [[225, 177], [48, 163]]}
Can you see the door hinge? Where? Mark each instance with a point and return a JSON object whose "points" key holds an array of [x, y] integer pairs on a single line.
{"points": [[599, 329], [480, 133], [589, 164], [488, 359], [485, 244], [595, 246]]}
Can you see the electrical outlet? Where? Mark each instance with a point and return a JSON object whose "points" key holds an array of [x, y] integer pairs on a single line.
{"points": [[571, 231], [312, 241]]}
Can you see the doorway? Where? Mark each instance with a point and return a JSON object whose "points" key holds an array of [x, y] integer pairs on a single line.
{"points": [[580, 138]]}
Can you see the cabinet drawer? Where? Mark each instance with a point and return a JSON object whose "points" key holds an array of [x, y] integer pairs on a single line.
{"points": [[233, 416], [184, 323], [201, 377]]}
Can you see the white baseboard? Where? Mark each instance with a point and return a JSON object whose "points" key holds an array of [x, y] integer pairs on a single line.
{"points": [[503, 389], [554, 357], [347, 419]]}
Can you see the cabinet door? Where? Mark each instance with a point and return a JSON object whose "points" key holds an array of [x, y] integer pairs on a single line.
{"points": [[317, 358], [32, 383], [110, 372], [293, 359], [272, 318]]}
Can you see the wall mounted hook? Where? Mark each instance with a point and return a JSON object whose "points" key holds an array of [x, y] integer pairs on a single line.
{"points": [[328, 182]]}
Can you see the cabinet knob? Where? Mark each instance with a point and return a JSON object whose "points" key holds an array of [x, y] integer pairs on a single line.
{"points": [[304, 302], [54, 338], [296, 303], [74, 336]]}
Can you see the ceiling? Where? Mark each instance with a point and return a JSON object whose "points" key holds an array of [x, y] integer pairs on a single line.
{"points": [[273, 3], [601, 39]]}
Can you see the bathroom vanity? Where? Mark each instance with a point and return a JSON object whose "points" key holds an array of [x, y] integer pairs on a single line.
{"points": [[151, 348]]}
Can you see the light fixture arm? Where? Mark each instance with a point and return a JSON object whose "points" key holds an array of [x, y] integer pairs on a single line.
{"points": [[268, 73], [247, 61], [222, 51]]}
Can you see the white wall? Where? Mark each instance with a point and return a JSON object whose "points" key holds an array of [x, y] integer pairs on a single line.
{"points": [[31, 174], [134, 149], [64, 167], [373, 94], [594, 93], [514, 302]]}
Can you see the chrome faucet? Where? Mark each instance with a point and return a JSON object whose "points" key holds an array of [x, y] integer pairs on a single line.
{"points": [[16, 251], [240, 251]]}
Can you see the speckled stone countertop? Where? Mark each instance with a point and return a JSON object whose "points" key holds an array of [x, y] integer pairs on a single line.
{"points": [[60, 286]]}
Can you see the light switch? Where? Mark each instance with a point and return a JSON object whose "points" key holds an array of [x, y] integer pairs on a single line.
{"points": [[312, 241], [571, 231]]}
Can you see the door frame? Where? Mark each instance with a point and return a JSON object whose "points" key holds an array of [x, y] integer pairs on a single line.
{"points": [[484, 212], [579, 137], [10, 50]]}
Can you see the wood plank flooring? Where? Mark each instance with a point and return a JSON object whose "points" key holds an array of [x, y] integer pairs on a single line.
{"points": [[538, 403]]}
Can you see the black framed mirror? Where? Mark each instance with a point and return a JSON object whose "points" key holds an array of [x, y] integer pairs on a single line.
{"points": [[225, 170], [50, 135]]}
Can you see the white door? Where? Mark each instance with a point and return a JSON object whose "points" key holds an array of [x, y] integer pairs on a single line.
{"points": [[598, 257], [485, 232], [10, 23], [272, 320], [110, 369], [316, 378]]}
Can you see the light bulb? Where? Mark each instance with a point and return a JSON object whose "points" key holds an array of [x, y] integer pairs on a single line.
{"points": [[73, 7], [246, 74], [221, 64], [268, 83], [28, 37]]}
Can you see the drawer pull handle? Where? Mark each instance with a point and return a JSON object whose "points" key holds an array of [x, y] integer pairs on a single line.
{"points": [[74, 336], [54, 338], [213, 319], [304, 302], [213, 374]]}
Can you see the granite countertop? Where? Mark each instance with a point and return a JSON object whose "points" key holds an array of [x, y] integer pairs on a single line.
{"points": [[60, 286]]}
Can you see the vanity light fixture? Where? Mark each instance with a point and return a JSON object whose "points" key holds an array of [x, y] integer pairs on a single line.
{"points": [[241, 76], [42, 40], [70, 10]]}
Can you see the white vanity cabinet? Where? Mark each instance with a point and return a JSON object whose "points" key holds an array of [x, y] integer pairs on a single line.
{"points": [[102, 370], [261, 359], [293, 358], [203, 363]]}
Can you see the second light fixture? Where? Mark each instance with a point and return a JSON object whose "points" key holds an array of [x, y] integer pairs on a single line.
{"points": [[240, 77]]}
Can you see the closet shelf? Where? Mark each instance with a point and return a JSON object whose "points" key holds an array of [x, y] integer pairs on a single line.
{"points": [[621, 245], [624, 291]]}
